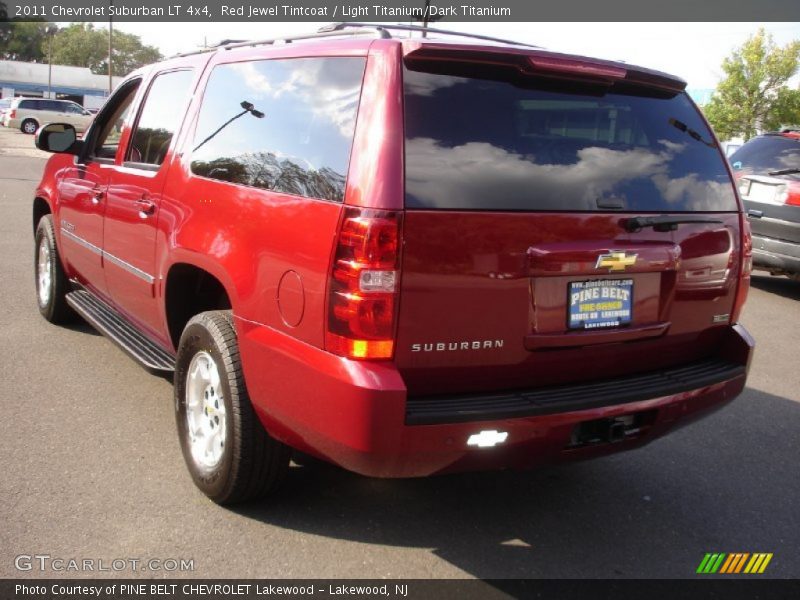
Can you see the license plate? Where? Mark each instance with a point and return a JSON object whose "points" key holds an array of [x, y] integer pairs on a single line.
{"points": [[762, 192], [600, 303]]}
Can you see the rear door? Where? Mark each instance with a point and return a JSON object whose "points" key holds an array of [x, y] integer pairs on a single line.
{"points": [[529, 260]]}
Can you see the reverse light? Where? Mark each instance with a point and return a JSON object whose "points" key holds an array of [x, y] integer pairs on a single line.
{"points": [[362, 299]]}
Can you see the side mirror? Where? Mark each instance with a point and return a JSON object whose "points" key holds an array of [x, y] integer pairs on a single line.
{"points": [[58, 137]]}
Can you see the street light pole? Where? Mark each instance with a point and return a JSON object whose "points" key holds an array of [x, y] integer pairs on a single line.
{"points": [[110, 46], [50, 32]]}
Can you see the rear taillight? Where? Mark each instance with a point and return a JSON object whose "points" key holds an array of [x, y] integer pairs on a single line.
{"points": [[792, 194], [364, 283], [12, 114], [746, 270]]}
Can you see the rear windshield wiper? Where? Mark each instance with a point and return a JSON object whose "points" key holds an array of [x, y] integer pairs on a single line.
{"points": [[784, 171], [662, 222]]}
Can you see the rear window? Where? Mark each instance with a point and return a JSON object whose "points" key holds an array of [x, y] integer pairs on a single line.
{"points": [[532, 145], [767, 154]]}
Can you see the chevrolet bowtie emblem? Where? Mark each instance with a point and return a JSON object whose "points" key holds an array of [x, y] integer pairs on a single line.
{"points": [[615, 261]]}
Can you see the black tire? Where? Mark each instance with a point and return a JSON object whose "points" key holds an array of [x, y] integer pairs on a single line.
{"points": [[252, 463], [29, 126], [52, 304]]}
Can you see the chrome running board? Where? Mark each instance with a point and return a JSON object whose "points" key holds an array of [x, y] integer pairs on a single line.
{"points": [[118, 329]]}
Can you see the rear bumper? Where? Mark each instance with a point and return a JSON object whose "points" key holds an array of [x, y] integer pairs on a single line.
{"points": [[776, 255], [356, 414]]}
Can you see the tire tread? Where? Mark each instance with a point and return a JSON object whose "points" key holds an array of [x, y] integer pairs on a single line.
{"points": [[260, 462]]}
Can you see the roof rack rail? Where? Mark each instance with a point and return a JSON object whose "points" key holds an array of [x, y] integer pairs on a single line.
{"points": [[384, 30], [230, 44], [341, 29]]}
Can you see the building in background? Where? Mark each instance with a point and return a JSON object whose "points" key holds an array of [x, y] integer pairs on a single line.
{"points": [[78, 84]]}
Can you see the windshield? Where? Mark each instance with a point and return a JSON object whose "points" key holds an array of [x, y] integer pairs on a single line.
{"points": [[523, 144]]}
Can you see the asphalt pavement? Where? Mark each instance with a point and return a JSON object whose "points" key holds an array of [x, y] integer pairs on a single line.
{"points": [[93, 470]]}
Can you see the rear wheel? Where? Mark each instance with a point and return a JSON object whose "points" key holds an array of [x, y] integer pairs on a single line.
{"points": [[51, 281], [227, 451], [29, 126]]}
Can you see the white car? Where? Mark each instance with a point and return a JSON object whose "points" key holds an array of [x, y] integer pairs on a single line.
{"points": [[28, 114]]}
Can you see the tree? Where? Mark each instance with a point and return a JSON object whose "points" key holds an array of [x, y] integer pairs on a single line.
{"points": [[23, 40], [754, 95], [81, 45]]}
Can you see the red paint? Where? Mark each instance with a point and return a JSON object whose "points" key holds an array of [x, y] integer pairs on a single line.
{"points": [[462, 277]]}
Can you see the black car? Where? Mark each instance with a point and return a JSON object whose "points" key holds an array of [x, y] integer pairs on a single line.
{"points": [[767, 169]]}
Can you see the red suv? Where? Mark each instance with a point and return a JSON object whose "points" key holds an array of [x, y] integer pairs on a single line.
{"points": [[405, 256]]}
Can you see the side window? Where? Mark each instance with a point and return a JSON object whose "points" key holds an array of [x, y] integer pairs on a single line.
{"points": [[74, 109], [159, 118], [29, 104], [107, 127], [284, 125]]}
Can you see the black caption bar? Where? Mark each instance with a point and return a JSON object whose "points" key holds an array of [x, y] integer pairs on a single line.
{"points": [[365, 589], [399, 10]]}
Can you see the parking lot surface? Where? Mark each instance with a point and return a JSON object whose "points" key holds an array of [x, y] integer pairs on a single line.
{"points": [[93, 470]]}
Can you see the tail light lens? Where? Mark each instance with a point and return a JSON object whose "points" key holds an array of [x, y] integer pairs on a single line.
{"points": [[792, 196], [746, 270], [12, 114], [362, 301]]}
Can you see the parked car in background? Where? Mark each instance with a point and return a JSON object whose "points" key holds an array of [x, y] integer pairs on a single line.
{"points": [[767, 169], [404, 256], [28, 114]]}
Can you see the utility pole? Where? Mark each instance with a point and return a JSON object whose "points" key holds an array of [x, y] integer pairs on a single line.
{"points": [[110, 47], [50, 32]]}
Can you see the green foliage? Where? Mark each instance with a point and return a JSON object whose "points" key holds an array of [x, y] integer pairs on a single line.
{"points": [[754, 95], [23, 41], [80, 44]]}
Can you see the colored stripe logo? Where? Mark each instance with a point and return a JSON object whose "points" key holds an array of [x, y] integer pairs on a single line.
{"points": [[734, 563]]}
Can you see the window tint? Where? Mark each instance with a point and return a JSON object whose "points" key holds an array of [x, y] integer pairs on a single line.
{"points": [[29, 104], [523, 144], [767, 154], [159, 118], [282, 125], [53, 105]]}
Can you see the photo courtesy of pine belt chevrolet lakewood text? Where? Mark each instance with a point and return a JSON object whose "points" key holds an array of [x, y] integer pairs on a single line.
{"points": [[403, 255]]}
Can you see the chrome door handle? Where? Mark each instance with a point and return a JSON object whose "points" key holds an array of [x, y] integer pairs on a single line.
{"points": [[97, 196], [146, 207]]}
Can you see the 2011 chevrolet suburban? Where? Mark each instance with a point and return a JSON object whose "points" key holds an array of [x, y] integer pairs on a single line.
{"points": [[405, 256]]}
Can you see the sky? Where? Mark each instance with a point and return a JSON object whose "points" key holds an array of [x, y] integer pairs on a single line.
{"points": [[693, 51]]}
